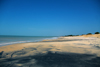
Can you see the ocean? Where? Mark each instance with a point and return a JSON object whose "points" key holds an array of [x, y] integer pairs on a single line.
{"points": [[8, 40]]}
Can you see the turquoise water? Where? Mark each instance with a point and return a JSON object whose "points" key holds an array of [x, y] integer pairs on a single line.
{"points": [[8, 40]]}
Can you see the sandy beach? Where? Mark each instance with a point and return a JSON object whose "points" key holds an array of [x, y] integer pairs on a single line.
{"points": [[49, 33], [76, 51]]}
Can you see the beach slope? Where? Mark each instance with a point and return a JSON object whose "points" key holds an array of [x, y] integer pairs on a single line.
{"points": [[79, 51]]}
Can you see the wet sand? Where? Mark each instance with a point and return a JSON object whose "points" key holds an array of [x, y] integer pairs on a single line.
{"points": [[80, 51]]}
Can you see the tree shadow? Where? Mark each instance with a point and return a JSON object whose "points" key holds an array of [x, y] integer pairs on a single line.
{"points": [[54, 60], [66, 60]]}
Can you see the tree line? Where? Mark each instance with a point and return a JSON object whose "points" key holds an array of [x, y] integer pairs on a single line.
{"points": [[83, 34]]}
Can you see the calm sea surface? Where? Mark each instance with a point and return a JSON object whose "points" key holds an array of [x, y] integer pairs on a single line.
{"points": [[8, 40]]}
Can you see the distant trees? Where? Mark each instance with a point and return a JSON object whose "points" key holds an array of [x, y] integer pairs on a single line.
{"points": [[89, 34], [96, 32], [70, 35], [82, 34]]}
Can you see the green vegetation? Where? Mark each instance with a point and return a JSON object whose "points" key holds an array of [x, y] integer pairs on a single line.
{"points": [[97, 33], [82, 34], [70, 35], [89, 34]]}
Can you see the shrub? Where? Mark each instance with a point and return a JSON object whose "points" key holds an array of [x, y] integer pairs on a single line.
{"points": [[89, 34], [96, 32], [70, 35]]}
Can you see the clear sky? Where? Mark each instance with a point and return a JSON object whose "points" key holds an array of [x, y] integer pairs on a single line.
{"points": [[49, 17]]}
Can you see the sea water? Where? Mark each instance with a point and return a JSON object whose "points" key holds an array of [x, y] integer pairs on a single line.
{"points": [[8, 40]]}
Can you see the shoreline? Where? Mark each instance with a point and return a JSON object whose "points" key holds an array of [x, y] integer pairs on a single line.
{"points": [[59, 39], [25, 41], [78, 49], [46, 40]]}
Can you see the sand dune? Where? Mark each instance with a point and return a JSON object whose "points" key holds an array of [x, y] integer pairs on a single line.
{"points": [[80, 51], [93, 35]]}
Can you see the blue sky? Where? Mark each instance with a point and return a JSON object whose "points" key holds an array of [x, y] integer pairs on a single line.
{"points": [[49, 17]]}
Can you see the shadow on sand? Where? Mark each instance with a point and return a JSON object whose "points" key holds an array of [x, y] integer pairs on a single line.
{"points": [[53, 60]]}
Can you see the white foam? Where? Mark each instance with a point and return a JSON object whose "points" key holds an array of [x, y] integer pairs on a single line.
{"points": [[15, 42], [8, 43]]}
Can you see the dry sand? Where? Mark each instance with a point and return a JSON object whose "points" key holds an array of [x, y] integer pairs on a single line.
{"points": [[80, 51], [92, 35]]}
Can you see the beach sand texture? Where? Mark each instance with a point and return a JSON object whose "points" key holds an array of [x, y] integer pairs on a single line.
{"points": [[77, 51]]}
